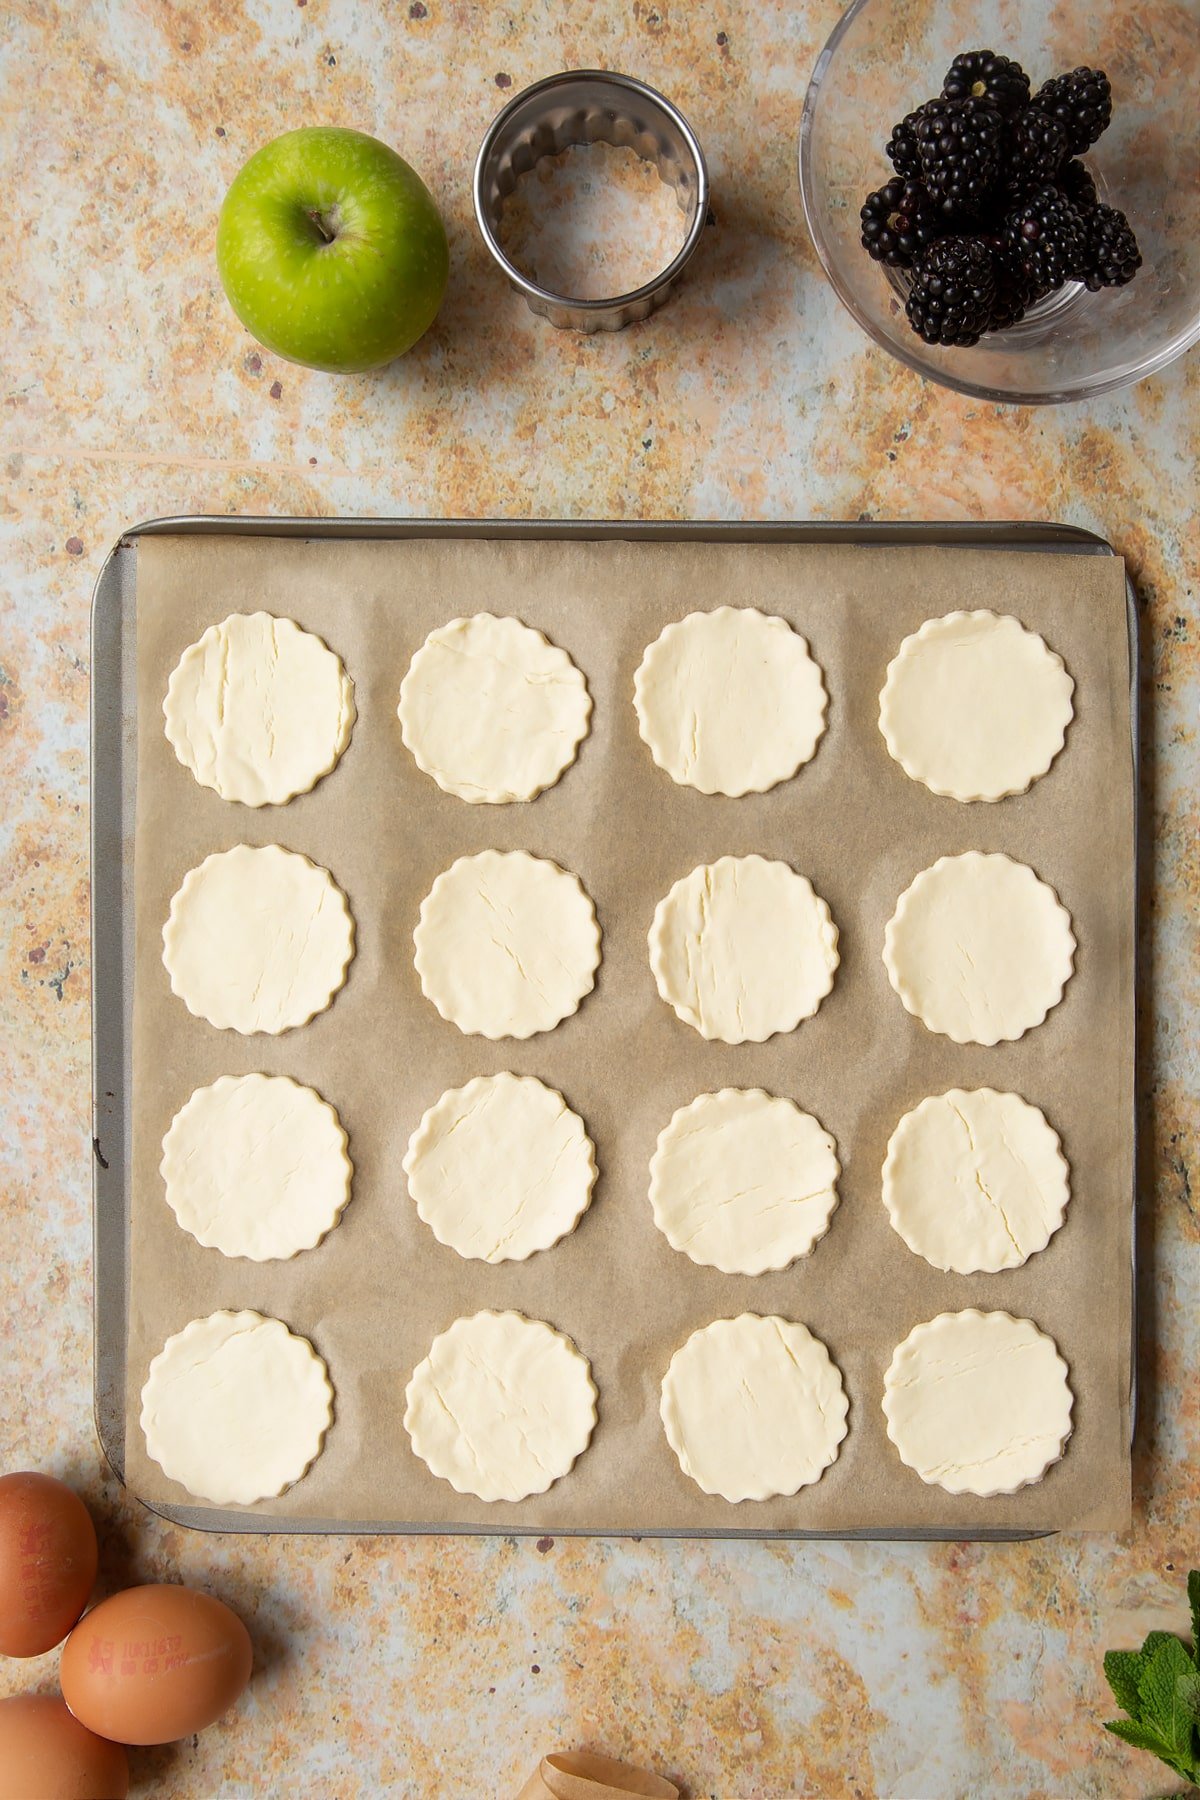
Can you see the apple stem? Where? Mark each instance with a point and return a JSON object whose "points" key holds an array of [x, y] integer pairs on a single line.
{"points": [[327, 233]]}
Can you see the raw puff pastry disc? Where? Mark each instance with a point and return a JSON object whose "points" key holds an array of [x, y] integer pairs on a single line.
{"points": [[507, 944], [979, 949], [730, 702], [492, 710], [258, 709], [257, 939], [978, 1403], [501, 1407], [743, 1182], [743, 948], [975, 706], [236, 1407], [753, 1407], [500, 1168], [975, 1182], [256, 1166]]}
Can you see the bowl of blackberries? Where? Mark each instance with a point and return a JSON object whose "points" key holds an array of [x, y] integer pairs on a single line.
{"points": [[1019, 221]]}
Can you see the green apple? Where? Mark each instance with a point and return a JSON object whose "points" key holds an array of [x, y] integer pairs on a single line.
{"points": [[331, 250]]}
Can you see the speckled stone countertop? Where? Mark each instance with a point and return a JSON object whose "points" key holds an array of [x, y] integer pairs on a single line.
{"points": [[427, 1668]]}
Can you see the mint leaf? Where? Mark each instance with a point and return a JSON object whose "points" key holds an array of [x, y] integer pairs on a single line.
{"points": [[1161, 1693], [1189, 1693], [1142, 1737], [1123, 1670], [1159, 1686]]}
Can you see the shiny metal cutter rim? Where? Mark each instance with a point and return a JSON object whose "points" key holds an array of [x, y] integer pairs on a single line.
{"points": [[589, 106]]}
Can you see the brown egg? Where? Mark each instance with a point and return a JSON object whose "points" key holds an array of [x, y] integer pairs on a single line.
{"points": [[154, 1664], [45, 1754], [47, 1562]]}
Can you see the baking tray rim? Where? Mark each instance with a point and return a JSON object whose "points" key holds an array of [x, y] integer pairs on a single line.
{"points": [[113, 751]]}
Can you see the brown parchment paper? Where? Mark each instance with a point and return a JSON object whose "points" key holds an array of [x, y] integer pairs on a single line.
{"points": [[375, 1293]]}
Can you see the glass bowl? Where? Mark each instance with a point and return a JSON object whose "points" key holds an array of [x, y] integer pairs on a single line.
{"points": [[887, 56]]}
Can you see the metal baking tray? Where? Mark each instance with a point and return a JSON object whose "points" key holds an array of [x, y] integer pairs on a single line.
{"points": [[113, 798]]}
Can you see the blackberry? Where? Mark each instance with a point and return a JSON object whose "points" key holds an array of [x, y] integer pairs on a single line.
{"points": [[1036, 147], [1048, 238], [1082, 101], [953, 291], [1075, 181], [960, 144], [1015, 293], [985, 76], [901, 148], [898, 220], [1113, 257]]}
